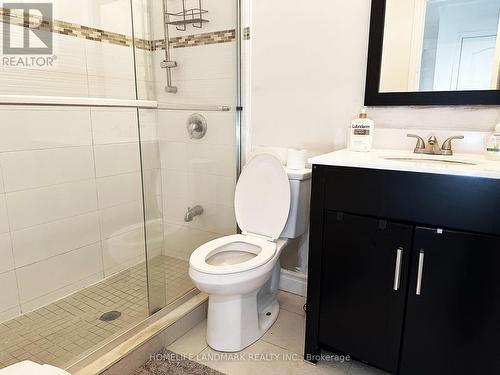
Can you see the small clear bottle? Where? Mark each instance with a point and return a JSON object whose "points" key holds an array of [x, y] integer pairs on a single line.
{"points": [[493, 146]]}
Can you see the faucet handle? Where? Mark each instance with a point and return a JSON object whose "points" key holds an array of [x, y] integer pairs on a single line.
{"points": [[420, 143], [446, 147]]}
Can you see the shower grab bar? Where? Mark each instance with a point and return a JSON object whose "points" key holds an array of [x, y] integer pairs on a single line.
{"points": [[75, 101], [195, 107]]}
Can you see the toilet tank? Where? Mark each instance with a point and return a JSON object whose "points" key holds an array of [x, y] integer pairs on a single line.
{"points": [[300, 197]]}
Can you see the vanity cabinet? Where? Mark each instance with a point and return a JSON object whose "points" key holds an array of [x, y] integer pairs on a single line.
{"points": [[453, 313], [404, 270], [363, 289]]}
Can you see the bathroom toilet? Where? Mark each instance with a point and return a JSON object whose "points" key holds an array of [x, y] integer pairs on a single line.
{"points": [[31, 368], [241, 272]]}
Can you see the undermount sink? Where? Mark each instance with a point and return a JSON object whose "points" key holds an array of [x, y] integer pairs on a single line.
{"points": [[430, 159]]}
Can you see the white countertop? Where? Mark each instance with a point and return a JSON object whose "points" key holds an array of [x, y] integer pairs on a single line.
{"points": [[377, 159]]}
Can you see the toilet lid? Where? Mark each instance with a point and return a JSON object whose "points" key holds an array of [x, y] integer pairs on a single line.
{"points": [[262, 197]]}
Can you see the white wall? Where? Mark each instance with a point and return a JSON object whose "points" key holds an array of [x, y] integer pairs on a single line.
{"points": [[308, 66]]}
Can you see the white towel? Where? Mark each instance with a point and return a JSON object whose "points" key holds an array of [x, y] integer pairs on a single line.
{"points": [[31, 368]]}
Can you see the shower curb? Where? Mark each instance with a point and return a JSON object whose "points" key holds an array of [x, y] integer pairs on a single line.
{"points": [[129, 355]]}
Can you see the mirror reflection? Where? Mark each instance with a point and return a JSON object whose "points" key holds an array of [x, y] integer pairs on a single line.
{"points": [[441, 45]]}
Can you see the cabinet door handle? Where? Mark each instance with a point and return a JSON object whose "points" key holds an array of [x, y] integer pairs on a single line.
{"points": [[397, 271], [421, 257]]}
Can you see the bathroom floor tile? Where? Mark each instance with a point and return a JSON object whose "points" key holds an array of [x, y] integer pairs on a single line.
{"points": [[362, 369], [192, 343], [291, 302], [62, 331], [279, 352], [264, 358], [287, 332]]}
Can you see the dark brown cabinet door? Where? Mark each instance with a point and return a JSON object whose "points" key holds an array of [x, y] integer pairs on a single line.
{"points": [[363, 288], [453, 314]]}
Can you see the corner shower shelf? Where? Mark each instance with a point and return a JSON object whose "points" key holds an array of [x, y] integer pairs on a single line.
{"points": [[192, 16]]}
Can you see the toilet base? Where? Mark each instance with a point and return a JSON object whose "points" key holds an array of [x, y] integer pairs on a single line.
{"points": [[233, 322]]}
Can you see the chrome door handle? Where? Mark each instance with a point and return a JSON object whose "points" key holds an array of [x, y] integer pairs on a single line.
{"points": [[397, 271], [421, 258]]}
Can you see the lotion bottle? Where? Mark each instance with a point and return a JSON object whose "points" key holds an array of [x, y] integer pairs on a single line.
{"points": [[361, 133]]}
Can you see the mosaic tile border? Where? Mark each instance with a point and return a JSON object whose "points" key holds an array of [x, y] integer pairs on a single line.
{"points": [[98, 35]]}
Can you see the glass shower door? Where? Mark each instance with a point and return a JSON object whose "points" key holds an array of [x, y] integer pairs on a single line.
{"points": [[190, 70], [72, 246]]}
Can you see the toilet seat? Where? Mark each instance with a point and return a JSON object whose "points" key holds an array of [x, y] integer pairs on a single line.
{"points": [[262, 204], [265, 252]]}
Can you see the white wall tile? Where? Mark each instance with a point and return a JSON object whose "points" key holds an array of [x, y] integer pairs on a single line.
{"points": [[30, 169], [212, 61], [175, 184], [174, 155], [2, 186], [109, 15], [152, 181], [111, 125], [220, 127], [44, 241], [123, 251], [177, 241], [38, 206], [201, 91], [6, 258], [10, 313], [212, 159], [225, 220], [120, 219], [117, 158], [31, 128], [119, 189], [42, 83], [148, 121], [225, 187], [49, 275], [109, 87], [4, 220], [150, 152], [8, 291], [109, 61], [57, 294]]}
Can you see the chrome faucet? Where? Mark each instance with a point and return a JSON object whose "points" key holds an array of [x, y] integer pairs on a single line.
{"points": [[192, 212], [432, 147]]}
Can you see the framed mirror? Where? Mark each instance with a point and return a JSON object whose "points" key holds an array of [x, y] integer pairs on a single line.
{"points": [[434, 52]]}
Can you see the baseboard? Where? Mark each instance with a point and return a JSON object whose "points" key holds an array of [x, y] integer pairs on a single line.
{"points": [[293, 282]]}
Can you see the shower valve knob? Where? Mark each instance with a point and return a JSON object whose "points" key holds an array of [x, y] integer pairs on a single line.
{"points": [[196, 126]]}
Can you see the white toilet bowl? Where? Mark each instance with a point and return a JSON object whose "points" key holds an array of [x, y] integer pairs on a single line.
{"points": [[240, 273], [31, 368]]}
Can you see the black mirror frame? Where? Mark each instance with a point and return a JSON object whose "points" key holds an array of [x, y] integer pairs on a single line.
{"points": [[375, 98]]}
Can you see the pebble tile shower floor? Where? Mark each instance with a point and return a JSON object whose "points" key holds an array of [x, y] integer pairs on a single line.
{"points": [[62, 331]]}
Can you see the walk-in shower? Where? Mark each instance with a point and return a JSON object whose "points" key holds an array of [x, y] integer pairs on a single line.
{"points": [[98, 168]]}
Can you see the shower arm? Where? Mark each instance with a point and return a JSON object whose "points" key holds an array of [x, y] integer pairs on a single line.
{"points": [[167, 63]]}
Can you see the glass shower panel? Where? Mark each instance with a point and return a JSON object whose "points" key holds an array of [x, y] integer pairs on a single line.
{"points": [[75, 49], [192, 171], [72, 251]]}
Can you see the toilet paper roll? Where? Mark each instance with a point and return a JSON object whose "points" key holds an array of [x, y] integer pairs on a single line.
{"points": [[296, 159]]}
